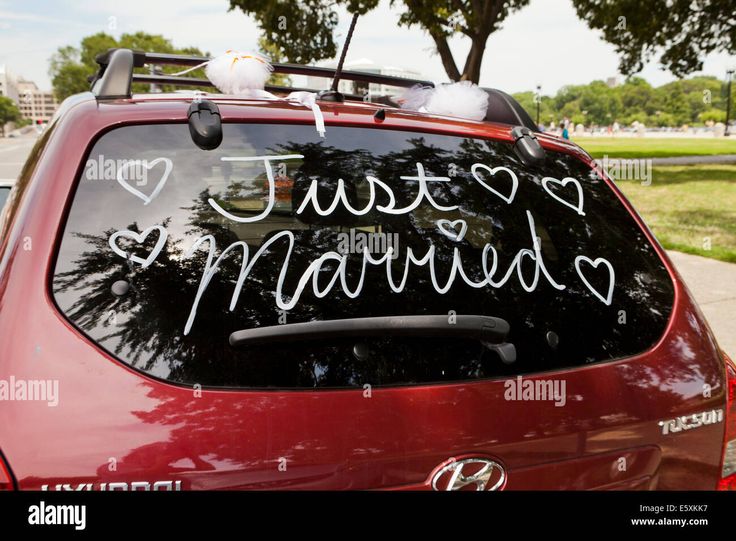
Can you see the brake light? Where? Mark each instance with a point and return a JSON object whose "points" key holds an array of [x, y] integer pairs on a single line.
{"points": [[728, 471], [6, 480]]}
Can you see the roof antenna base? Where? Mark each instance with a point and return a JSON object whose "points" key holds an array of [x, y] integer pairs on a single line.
{"points": [[331, 95]]}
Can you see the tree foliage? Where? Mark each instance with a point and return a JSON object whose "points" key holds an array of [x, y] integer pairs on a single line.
{"points": [[71, 66], [274, 54], [688, 101], [683, 31], [304, 29], [301, 29], [8, 112]]}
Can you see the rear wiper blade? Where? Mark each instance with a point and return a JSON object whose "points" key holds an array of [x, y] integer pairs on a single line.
{"points": [[492, 331]]}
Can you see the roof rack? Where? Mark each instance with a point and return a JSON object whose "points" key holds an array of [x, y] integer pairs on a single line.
{"points": [[114, 78], [115, 75], [194, 81]]}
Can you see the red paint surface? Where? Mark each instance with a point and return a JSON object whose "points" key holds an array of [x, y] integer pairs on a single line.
{"points": [[332, 439]]}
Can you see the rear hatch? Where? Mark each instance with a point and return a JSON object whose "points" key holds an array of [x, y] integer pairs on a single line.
{"points": [[170, 249]]}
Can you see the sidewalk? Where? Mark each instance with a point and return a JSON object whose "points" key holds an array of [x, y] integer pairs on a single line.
{"points": [[713, 283]]}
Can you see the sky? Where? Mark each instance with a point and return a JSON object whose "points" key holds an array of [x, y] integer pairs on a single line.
{"points": [[545, 43]]}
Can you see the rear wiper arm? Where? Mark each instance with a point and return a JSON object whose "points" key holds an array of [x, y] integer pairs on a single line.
{"points": [[492, 331]]}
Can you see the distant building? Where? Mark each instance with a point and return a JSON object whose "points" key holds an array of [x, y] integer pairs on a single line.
{"points": [[612, 82], [354, 87], [36, 105], [8, 84]]}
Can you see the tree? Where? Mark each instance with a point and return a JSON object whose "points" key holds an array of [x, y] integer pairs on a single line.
{"points": [[274, 54], [474, 19], [594, 103], [71, 66], [638, 95], [8, 113], [712, 115], [303, 29], [684, 31], [68, 74], [528, 100], [686, 101]]}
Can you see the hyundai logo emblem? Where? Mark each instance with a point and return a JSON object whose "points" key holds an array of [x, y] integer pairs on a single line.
{"points": [[469, 474]]}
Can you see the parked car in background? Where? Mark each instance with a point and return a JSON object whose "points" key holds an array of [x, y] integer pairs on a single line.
{"points": [[5, 187]]}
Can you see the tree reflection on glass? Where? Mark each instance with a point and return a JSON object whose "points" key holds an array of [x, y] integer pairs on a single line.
{"points": [[145, 326]]}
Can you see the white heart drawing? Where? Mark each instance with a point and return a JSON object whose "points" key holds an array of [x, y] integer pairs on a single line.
{"points": [[612, 277], [140, 238], [148, 165], [493, 171], [447, 228], [564, 182]]}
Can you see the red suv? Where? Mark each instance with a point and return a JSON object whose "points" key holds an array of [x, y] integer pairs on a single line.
{"points": [[198, 291]]}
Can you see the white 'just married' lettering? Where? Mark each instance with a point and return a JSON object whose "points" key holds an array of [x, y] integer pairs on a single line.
{"points": [[288, 301], [520, 265]]}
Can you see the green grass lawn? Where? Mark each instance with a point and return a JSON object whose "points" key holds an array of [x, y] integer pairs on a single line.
{"points": [[645, 147], [688, 207]]}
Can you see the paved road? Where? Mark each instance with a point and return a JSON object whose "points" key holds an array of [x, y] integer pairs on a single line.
{"points": [[713, 283], [695, 160], [13, 153]]}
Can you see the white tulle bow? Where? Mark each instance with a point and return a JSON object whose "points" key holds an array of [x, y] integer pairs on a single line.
{"points": [[463, 99], [309, 99], [245, 75]]}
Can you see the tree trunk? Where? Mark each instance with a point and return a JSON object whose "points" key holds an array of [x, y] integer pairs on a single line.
{"points": [[448, 62], [471, 71], [489, 11]]}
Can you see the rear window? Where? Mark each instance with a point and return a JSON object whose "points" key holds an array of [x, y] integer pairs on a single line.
{"points": [[168, 249]]}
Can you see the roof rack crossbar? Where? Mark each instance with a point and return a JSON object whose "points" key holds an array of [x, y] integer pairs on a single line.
{"points": [[195, 81], [113, 80], [116, 69], [358, 76]]}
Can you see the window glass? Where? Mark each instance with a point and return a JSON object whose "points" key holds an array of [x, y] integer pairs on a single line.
{"points": [[168, 249]]}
